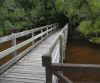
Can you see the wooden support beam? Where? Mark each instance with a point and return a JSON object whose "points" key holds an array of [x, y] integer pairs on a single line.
{"points": [[46, 60], [12, 61], [20, 34], [61, 48], [12, 49], [62, 77], [51, 28], [13, 44], [75, 67], [33, 36], [47, 31], [41, 32]]}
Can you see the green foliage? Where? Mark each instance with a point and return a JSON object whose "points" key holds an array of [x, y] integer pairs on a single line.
{"points": [[9, 4], [8, 26], [18, 15], [85, 13], [97, 25], [85, 27], [95, 40]]}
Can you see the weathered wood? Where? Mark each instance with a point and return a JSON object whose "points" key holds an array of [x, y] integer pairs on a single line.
{"points": [[13, 44], [47, 30], [51, 28], [29, 69], [76, 67], [62, 77], [61, 48], [56, 56], [12, 61], [66, 32], [53, 45], [9, 50], [20, 34], [47, 59], [34, 80], [41, 32], [43, 60], [33, 36]]}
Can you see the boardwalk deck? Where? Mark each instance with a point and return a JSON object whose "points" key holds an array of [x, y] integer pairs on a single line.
{"points": [[29, 69]]}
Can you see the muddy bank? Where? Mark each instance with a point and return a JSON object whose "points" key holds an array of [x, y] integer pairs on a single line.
{"points": [[82, 52]]}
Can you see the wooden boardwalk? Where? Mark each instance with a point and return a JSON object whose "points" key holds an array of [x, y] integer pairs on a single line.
{"points": [[29, 69]]}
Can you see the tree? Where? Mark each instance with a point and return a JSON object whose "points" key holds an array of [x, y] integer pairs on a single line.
{"points": [[90, 28], [20, 15]]}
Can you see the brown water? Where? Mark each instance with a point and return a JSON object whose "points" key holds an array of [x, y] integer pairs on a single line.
{"points": [[82, 53], [5, 45], [76, 52]]}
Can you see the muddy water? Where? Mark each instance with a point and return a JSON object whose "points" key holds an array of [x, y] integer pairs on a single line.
{"points": [[5, 45], [82, 53], [76, 52]]}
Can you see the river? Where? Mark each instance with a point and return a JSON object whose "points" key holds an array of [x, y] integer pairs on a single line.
{"points": [[82, 53], [76, 52]]}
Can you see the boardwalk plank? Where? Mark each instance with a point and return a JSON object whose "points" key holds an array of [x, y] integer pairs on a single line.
{"points": [[29, 69]]}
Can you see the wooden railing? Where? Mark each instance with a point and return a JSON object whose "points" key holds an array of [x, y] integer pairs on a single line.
{"points": [[44, 34], [54, 68], [59, 41]]}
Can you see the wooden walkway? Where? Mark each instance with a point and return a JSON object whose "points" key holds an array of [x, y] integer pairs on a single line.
{"points": [[29, 69]]}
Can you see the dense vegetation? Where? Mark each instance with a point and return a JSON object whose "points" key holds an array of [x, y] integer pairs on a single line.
{"points": [[18, 15]]}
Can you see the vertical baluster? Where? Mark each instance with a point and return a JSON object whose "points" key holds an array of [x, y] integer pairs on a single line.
{"points": [[33, 40], [13, 44], [66, 32], [51, 30], [47, 30], [61, 50], [13, 41], [64, 43], [41, 32]]}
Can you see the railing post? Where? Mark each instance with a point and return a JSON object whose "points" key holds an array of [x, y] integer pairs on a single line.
{"points": [[33, 40], [13, 44], [47, 30], [13, 41], [41, 32], [64, 43], [61, 48], [66, 32], [46, 61], [51, 28]]}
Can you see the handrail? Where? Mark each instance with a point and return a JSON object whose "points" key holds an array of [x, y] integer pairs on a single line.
{"points": [[51, 48], [15, 47], [54, 68], [20, 34], [61, 39]]}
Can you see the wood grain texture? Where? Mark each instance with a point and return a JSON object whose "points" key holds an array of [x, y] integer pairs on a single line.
{"points": [[20, 34], [29, 69], [9, 50]]}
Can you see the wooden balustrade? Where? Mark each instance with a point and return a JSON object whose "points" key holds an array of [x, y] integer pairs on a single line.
{"points": [[46, 58], [14, 47], [54, 68]]}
